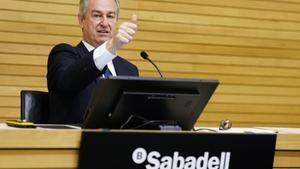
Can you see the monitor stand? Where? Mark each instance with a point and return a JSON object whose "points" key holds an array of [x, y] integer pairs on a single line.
{"points": [[141, 123]]}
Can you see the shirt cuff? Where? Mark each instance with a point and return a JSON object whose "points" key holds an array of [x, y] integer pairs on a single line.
{"points": [[102, 56]]}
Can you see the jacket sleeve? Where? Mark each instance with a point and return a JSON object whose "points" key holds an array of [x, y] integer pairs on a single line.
{"points": [[68, 71]]}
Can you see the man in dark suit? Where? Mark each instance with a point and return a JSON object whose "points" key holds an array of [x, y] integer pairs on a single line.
{"points": [[73, 71]]}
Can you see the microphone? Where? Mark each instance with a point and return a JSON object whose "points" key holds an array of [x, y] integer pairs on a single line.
{"points": [[146, 57]]}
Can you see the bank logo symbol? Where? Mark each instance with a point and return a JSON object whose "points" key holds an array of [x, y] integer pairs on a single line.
{"points": [[139, 155]]}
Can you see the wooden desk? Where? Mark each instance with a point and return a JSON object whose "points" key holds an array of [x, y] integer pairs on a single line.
{"points": [[287, 153], [48, 148]]}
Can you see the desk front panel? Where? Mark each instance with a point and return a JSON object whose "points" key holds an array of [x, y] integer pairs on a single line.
{"points": [[53, 149]]}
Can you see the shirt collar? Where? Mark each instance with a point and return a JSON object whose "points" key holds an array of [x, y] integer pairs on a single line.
{"points": [[88, 46]]}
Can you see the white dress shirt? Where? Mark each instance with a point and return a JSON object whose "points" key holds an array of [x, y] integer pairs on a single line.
{"points": [[102, 57]]}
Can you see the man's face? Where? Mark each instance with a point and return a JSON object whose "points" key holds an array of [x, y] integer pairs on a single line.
{"points": [[99, 21]]}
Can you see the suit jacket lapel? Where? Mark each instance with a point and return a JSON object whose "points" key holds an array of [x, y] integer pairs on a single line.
{"points": [[124, 68], [121, 69], [82, 50]]}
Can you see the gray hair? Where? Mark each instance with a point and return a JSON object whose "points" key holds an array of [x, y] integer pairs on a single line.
{"points": [[84, 3]]}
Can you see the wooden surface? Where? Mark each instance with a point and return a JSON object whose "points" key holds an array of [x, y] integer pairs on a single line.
{"points": [[31, 148], [48, 148], [251, 47], [287, 153]]}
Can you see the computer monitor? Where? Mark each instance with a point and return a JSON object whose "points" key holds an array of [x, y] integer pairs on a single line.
{"points": [[140, 103]]}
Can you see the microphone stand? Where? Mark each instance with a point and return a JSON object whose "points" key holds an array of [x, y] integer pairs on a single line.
{"points": [[146, 57]]}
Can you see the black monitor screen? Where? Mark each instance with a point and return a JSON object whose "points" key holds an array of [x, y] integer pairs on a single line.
{"points": [[134, 102]]}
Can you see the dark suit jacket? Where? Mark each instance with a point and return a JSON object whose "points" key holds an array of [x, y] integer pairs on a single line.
{"points": [[71, 78]]}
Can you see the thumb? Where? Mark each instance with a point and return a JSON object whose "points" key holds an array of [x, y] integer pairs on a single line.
{"points": [[134, 19]]}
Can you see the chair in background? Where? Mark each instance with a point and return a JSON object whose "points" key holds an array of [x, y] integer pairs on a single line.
{"points": [[34, 106]]}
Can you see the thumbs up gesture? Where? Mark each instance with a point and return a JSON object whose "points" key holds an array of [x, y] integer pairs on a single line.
{"points": [[123, 35]]}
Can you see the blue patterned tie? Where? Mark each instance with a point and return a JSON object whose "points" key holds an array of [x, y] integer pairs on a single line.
{"points": [[106, 72]]}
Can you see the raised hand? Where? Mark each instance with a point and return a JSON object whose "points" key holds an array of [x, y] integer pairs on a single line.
{"points": [[123, 35]]}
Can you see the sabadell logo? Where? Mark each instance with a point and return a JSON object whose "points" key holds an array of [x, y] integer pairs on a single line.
{"points": [[154, 160]]}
